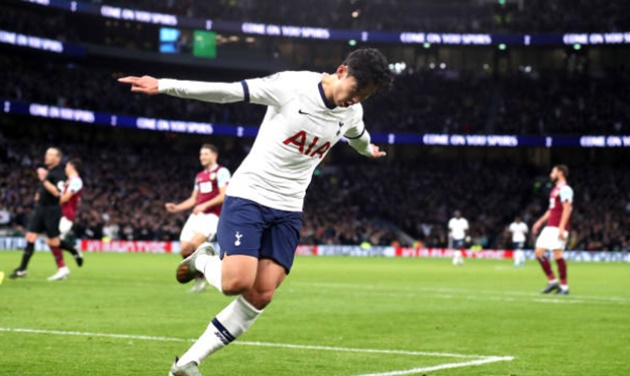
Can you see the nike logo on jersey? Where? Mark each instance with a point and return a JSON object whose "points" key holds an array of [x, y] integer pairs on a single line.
{"points": [[302, 112]]}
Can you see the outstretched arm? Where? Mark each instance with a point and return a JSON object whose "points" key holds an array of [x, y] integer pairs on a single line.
{"points": [[216, 92]]}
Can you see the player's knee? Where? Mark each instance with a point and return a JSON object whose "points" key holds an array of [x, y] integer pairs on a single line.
{"points": [[53, 242], [187, 249], [259, 299], [31, 237], [236, 286]]}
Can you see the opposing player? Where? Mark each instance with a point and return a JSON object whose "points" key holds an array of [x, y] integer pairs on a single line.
{"points": [[69, 201], [47, 213], [554, 236], [307, 113], [519, 231], [457, 228], [206, 200]]}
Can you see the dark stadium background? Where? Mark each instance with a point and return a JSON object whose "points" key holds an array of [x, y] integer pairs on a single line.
{"points": [[545, 90]]}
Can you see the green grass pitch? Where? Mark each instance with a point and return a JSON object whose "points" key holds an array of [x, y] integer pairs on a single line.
{"points": [[124, 314]]}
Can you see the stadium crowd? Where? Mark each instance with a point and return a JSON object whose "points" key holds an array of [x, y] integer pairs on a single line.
{"points": [[347, 203], [428, 101], [396, 15]]}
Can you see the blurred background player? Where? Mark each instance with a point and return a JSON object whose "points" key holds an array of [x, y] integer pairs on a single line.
{"points": [[69, 201], [554, 235], [47, 213], [457, 228], [519, 231], [206, 200]]}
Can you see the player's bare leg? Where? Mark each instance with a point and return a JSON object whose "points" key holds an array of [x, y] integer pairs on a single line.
{"points": [[257, 284], [553, 284], [562, 272], [62, 270]]}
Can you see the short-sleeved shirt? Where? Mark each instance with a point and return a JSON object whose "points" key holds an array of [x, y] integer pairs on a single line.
{"points": [[208, 182], [518, 231], [56, 176], [559, 195], [70, 207], [458, 227]]}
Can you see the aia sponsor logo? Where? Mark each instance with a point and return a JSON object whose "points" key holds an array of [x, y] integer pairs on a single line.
{"points": [[307, 146]]}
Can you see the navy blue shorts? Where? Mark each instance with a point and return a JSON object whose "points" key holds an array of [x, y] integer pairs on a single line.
{"points": [[457, 244], [518, 245], [248, 228]]}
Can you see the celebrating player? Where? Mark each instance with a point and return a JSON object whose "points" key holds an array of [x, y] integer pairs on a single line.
{"points": [[307, 113], [554, 235], [69, 201], [518, 229], [47, 213], [457, 228], [206, 199]]}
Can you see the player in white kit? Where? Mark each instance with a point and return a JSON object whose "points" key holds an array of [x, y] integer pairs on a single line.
{"points": [[457, 228], [307, 113], [519, 231]]}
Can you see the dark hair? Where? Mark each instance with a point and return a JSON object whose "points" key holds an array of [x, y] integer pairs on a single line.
{"points": [[77, 164], [210, 147], [564, 169], [369, 66]]}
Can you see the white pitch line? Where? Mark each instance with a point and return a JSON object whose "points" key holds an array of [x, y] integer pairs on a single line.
{"points": [[471, 363], [247, 343], [615, 299]]}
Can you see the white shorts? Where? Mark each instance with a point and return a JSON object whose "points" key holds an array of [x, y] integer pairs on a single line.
{"points": [[65, 225], [202, 223], [548, 239]]}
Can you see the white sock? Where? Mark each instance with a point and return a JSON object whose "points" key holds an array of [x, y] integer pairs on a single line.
{"points": [[228, 325], [210, 266]]}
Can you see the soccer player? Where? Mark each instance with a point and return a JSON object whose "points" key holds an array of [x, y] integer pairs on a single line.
{"points": [[69, 201], [206, 200], [457, 227], [307, 113], [554, 236], [519, 230], [47, 213]]}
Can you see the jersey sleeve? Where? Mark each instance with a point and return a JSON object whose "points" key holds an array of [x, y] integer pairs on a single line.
{"points": [[274, 90], [512, 227], [566, 194], [75, 185], [223, 177], [358, 137], [195, 185]]}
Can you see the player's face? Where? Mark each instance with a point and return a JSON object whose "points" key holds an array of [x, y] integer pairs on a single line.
{"points": [[206, 157], [51, 157], [347, 91], [554, 175]]}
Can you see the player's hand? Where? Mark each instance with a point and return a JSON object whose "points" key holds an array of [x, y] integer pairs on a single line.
{"points": [[535, 228], [145, 84], [198, 209], [170, 207], [376, 152], [42, 173], [562, 236]]}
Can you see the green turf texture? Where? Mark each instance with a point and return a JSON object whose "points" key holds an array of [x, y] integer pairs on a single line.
{"points": [[484, 308]]}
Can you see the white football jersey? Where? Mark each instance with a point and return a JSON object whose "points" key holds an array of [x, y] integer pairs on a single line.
{"points": [[298, 130], [458, 228], [518, 231]]}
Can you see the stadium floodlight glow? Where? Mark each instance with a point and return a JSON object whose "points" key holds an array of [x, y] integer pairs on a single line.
{"points": [[352, 42], [577, 46], [426, 45], [502, 46]]}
